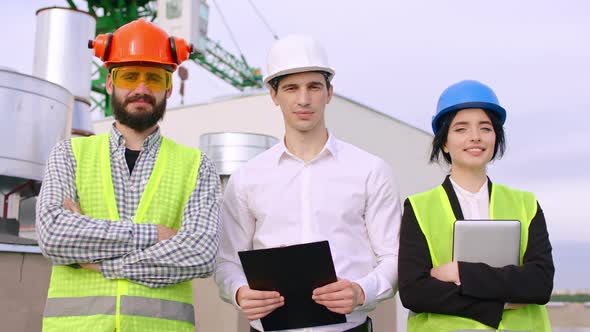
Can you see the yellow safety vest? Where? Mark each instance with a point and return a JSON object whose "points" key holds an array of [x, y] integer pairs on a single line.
{"points": [[83, 300], [435, 216]]}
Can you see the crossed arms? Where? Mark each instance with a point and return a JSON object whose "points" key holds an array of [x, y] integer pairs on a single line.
{"points": [[147, 254]]}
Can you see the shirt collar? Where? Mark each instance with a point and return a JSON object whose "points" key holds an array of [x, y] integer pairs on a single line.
{"points": [[482, 192], [331, 145], [330, 148], [117, 140]]}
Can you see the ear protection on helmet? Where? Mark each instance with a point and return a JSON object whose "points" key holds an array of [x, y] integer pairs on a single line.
{"points": [[140, 41], [173, 50], [102, 48], [180, 49], [107, 48]]}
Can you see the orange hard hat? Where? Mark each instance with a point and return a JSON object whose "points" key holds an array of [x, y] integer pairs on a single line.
{"points": [[140, 41]]}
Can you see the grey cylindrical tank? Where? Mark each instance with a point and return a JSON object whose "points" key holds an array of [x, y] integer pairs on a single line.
{"points": [[34, 116], [81, 118], [61, 48], [231, 150]]}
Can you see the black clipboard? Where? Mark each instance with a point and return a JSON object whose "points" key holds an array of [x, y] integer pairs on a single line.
{"points": [[293, 271]]}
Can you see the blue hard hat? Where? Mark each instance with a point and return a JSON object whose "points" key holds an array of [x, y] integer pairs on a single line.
{"points": [[467, 94]]}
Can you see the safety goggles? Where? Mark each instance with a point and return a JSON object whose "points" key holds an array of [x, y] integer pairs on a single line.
{"points": [[129, 77]]}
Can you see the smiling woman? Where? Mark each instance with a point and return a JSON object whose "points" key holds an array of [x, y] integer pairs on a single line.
{"points": [[447, 295], [471, 139]]}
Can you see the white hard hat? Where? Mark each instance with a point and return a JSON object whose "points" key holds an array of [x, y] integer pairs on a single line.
{"points": [[296, 54]]}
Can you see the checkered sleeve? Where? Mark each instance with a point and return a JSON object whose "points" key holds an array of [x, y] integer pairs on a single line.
{"points": [[187, 255], [67, 238]]}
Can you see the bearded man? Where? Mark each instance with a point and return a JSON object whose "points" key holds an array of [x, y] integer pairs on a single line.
{"points": [[129, 217]]}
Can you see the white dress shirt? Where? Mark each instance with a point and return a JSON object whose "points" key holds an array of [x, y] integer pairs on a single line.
{"points": [[473, 205], [345, 195]]}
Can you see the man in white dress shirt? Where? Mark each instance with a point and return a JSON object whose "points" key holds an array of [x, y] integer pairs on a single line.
{"points": [[311, 187]]}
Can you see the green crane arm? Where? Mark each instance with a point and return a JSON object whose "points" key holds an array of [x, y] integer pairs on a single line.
{"points": [[111, 14]]}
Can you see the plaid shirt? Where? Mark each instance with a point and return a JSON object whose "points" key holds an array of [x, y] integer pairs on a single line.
{"points": [[126, 250]]}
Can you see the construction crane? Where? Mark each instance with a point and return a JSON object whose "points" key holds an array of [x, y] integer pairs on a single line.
{"points": [[111, 14]]}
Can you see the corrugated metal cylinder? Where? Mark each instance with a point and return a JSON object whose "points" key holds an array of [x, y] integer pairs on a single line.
{"points": [[81, 118], [231, 150], [61, 48], [35, 115]]}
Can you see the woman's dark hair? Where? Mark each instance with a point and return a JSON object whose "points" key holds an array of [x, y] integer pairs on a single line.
{"points": [[440, 139]]}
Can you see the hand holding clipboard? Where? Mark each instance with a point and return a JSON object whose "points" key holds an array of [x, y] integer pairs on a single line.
{"points": [[294, 272]]}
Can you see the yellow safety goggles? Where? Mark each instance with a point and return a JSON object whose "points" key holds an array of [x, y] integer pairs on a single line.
{"points": [[129, 77]]}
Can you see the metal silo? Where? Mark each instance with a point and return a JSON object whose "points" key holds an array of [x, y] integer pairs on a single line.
{"points": [[62, 57], [35, 115], [229, 151]]}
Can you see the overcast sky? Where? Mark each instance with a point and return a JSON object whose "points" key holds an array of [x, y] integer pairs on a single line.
{"points": [[398, 56]]}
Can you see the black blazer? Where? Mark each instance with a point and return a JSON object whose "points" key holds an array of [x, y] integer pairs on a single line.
{"points": [[484, 290]]}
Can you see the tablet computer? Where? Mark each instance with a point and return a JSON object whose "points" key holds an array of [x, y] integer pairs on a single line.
{"points": [[494, 242]]}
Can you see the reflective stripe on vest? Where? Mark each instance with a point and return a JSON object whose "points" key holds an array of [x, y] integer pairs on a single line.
{"points": [[130, 305], [80, 306], [77, 296], [435, 217], [141, 306]]}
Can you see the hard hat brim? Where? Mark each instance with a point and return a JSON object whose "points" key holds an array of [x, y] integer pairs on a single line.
{"points": [[171, 67], [499, 110], [112, 64], [299, 70]]}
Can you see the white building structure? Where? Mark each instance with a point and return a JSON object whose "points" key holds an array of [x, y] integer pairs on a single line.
{"points": [[404, 147]]}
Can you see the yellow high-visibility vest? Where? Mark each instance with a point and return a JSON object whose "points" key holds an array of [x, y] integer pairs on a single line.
{"points": [[435, 216], [83, 300]]}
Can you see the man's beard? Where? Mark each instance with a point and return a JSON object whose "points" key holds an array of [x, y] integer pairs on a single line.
{"points": [[140, 120]]}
